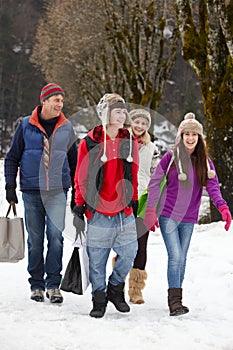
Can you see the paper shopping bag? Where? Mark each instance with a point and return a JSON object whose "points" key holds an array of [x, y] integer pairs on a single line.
{"points": [[12, 241]]}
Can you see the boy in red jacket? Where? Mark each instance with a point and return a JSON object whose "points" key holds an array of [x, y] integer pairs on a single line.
{"points": [[106, 192]]}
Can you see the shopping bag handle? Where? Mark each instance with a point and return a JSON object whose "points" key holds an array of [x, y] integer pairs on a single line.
{"points": [[13, 206]]}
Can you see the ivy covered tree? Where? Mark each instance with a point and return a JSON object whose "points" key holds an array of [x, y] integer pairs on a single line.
{"points": [[207, 45]]}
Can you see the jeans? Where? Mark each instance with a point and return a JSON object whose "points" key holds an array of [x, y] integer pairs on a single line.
{"points": [[45, 214], [104, 233], [177, 236]]}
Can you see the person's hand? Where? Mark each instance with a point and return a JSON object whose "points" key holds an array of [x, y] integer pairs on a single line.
{"points": [[226, 216], [78, 221], [11, 194], [135, 208], [72, 202], [150, 219]]}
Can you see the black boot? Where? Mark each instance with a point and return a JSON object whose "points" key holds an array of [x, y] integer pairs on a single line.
{"points": [[99, 304], [175, 302], [115, 294]]}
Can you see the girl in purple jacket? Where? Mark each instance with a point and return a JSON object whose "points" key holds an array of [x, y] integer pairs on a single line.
{"points": [[191, 170]]}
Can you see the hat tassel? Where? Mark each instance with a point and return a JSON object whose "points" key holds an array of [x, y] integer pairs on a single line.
{"points": [[181, 176], [104, 157], [210, 172], [130, 158]]}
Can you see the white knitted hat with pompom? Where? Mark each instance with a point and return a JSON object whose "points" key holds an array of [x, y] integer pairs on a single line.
{"points": [[107, 103], [190, 124]]}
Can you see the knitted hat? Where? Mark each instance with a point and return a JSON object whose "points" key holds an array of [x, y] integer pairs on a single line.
{"points": [[106, 104], [50, 90], [140, 112], [190, 124]]}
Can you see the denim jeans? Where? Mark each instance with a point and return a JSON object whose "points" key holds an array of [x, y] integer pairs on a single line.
{"points": [[104, 233], [177, 236], [45, 214]]}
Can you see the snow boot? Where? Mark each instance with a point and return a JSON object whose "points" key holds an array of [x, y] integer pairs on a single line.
{"points": [[54, 295], [175, 302], [114, 259], [115, 294], [37, 295], [137, 279], [99, 304]]}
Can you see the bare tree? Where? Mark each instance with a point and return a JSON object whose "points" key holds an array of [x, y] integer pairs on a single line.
{"points": [[101, 46], [207, 45]]}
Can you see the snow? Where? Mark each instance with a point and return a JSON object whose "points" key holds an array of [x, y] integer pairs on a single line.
{"points": [[208, 292]]}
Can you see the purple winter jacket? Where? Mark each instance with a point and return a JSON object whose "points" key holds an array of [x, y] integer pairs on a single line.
{"points": [[179, 202]]}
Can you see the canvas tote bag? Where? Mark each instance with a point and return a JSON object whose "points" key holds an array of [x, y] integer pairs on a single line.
{"points": [[12, 240]]}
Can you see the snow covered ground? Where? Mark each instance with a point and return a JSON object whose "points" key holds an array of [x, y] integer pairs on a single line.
{"points": [[208, 292]]}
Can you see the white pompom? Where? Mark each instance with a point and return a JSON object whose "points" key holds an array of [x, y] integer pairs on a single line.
{"points": [[129, 159], [182, 177], [104, 158], [189, 115], [211, 174]]}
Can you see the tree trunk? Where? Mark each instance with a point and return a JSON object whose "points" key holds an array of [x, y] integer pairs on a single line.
{"points": [[208, 48]]}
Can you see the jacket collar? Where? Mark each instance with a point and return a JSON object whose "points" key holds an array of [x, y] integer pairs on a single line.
{"points": [[34, 119]]}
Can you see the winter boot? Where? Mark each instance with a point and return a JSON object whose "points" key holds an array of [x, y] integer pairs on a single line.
{"points": [[99, 304], [115, 294], [175, 302], [114, 259], [54, 295], [137, 279], [37, 295]]}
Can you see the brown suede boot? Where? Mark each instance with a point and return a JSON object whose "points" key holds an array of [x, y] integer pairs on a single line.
{"points": [[175, 302], [137, 279], [114, 259]]}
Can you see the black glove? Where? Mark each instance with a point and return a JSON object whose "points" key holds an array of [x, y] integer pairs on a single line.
{"points": [[72, 202], [11, 194], [78, 221], [135, 208]]}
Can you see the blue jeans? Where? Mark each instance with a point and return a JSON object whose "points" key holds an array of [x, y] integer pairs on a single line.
{"points": [[177, 236], [45, 214], [104, 233]]}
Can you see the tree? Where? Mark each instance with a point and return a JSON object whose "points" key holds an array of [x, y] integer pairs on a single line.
{"points": [[19, 80], [101, 46], [182, 93], [207, 45]]}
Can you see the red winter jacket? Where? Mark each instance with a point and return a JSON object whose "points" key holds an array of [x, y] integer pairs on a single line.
{"points": [[108, 187]]}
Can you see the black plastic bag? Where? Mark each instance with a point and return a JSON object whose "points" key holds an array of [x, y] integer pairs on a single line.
{"points": [[76, 279]]}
